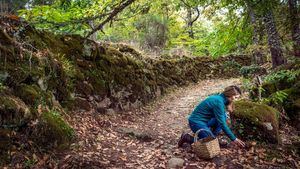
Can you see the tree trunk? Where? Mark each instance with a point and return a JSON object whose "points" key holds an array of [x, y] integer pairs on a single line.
{"points": [[273, 40], [257, 55], [190, 22], [94, 35], [294, 19]]}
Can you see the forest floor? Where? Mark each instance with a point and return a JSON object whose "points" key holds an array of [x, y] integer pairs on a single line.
{"points": [[147, 137]]}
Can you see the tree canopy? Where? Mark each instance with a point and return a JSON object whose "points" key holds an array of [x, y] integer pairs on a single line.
{"points": [[213, 28]]}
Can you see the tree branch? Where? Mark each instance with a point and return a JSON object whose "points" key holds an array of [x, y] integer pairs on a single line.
{"points": [[198, 15], [75, 21], [185, 3], [114, 13]]}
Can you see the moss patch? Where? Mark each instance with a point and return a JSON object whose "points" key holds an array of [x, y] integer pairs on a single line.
{"points": [[256, 112], [29, 94], [256, 121], [54, 130]]}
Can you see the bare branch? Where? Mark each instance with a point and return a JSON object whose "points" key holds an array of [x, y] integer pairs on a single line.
{"points": [[114, 13], [198, 15]]}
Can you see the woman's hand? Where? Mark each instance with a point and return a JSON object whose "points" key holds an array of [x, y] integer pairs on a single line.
{"points": [[239, 143]]}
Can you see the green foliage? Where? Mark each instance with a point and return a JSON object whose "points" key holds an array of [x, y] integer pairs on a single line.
{"points": [[247, 84], [224, 27], [277, 98], [228, 37], [56, 128], [289, 75], [69, 16], [67, 65], [231, 65], [246, 71], [159, 24], [29, 163], [152, 30]]}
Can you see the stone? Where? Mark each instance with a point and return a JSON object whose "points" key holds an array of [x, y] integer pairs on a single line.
{"points": [[53, 130], [257, 121], [175, 162], [82, 103], [140, 135], [42, 84], [110, 111], [104, 103], [14, 112], [84, 88]]}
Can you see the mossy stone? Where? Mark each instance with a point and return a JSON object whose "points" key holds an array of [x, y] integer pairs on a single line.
{"points": [[30, 94], [252, 121], [14, 112], [53, 130]]}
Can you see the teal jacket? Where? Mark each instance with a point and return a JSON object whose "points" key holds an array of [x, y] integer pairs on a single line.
{"points": [[212, 107]]}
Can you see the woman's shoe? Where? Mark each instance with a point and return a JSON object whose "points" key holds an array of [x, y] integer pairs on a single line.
{"points": [[185, 138]]}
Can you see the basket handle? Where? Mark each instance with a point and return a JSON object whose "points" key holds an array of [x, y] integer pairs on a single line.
{"points": [[198, 131]]}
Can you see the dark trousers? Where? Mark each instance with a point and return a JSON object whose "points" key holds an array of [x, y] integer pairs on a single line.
{"points": [[213, 126]]}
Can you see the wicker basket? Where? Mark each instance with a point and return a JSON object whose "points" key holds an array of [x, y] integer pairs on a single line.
{"points": [[206, 148]]}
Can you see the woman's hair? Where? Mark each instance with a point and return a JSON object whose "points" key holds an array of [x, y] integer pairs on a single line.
{"points": [[232, 91]]}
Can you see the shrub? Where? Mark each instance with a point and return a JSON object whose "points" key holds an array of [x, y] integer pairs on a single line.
{"points": [[248, 71]]}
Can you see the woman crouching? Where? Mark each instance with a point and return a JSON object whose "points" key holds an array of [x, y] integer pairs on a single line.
{"points": [[211, 113]]}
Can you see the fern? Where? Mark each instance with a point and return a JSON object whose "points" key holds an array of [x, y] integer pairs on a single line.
{"points": [[277, 98], [289, 75], [249, 70]]}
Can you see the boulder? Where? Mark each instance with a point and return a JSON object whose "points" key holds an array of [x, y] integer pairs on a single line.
{"points": [[256, 121], [175, 163], [140, 135], [53, 131], [82, 104], [13, 111]]}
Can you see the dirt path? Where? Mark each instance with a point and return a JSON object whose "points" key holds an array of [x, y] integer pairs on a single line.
{"points": [[147, 138]]}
